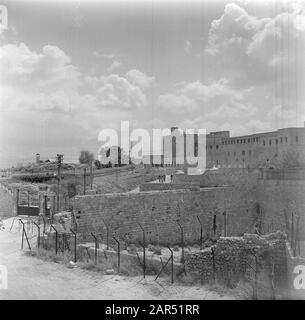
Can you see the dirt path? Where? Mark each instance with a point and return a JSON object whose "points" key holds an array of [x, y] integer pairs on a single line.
{"points": [[31, 278]]}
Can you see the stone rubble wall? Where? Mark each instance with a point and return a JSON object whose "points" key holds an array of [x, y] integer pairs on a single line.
{"points": [[232, 260]]}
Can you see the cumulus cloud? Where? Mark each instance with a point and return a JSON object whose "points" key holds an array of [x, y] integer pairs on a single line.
{"points": [[139, 78], [48, 80], [106, 55], [253, 48], [47, 98], [49, 70], [234, 27], [195, 95], [118, 92], [114, 66]]}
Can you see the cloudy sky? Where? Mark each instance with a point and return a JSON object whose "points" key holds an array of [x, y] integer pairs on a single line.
{"points": [[69, 70]]}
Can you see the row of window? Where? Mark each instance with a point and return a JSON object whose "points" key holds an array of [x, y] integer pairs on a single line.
{"points": [[237, 160], [243, 153], [256, 139], [238, 141]]}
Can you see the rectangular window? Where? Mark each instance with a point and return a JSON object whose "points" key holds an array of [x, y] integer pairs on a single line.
{"points": [[286, 139], [296, 139], [281, 139], [270, 142], [264, 142]]}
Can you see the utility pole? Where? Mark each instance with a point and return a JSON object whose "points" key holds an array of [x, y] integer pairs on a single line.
{"points": [[85, 180], [91, 175], [59, 162]]}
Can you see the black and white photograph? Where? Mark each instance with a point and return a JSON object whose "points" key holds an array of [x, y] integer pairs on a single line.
{"points": [[152, 151]]}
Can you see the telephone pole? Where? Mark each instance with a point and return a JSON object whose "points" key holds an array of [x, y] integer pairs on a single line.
{"points": [[85, 179], [59, 158]]}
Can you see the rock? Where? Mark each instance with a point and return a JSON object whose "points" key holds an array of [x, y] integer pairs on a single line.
{"points": [[158, 251], [151, 247], [72, 265], [109, 271], [132, 248]]}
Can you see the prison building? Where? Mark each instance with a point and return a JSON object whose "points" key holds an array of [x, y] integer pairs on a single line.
{"points": [[255, 150], [266, 149]]}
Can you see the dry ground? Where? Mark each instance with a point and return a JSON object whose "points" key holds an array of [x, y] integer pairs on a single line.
{"points": [[32, 278]]}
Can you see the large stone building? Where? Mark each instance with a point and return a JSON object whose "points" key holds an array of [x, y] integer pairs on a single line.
{"points": [[255, 150], [250, 151]]}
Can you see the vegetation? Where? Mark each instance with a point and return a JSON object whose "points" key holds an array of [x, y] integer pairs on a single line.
{"points": [[86, 157], [291, 159]]}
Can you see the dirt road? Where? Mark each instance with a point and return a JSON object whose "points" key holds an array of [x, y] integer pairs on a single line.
{"points": [[31, 278]]}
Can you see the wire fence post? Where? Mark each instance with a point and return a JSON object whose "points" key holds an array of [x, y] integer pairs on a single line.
{"points": [[107, 234], [201, 236], [214, 225], [255, 278], [24, 234], [296, 238], [171, 258], [144, 253], [225, 223], [56, 238], [119, 252], [38, 236], [44, 224], [172, 264], [63, 242], [214, 265], [182, 241], [74, 233], [292, 231], [95, 247]]}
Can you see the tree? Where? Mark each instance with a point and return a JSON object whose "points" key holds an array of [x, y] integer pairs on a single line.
{"points": [[71, 189], [97, 164], [113, 156], [291, 159], [86, 157]]}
